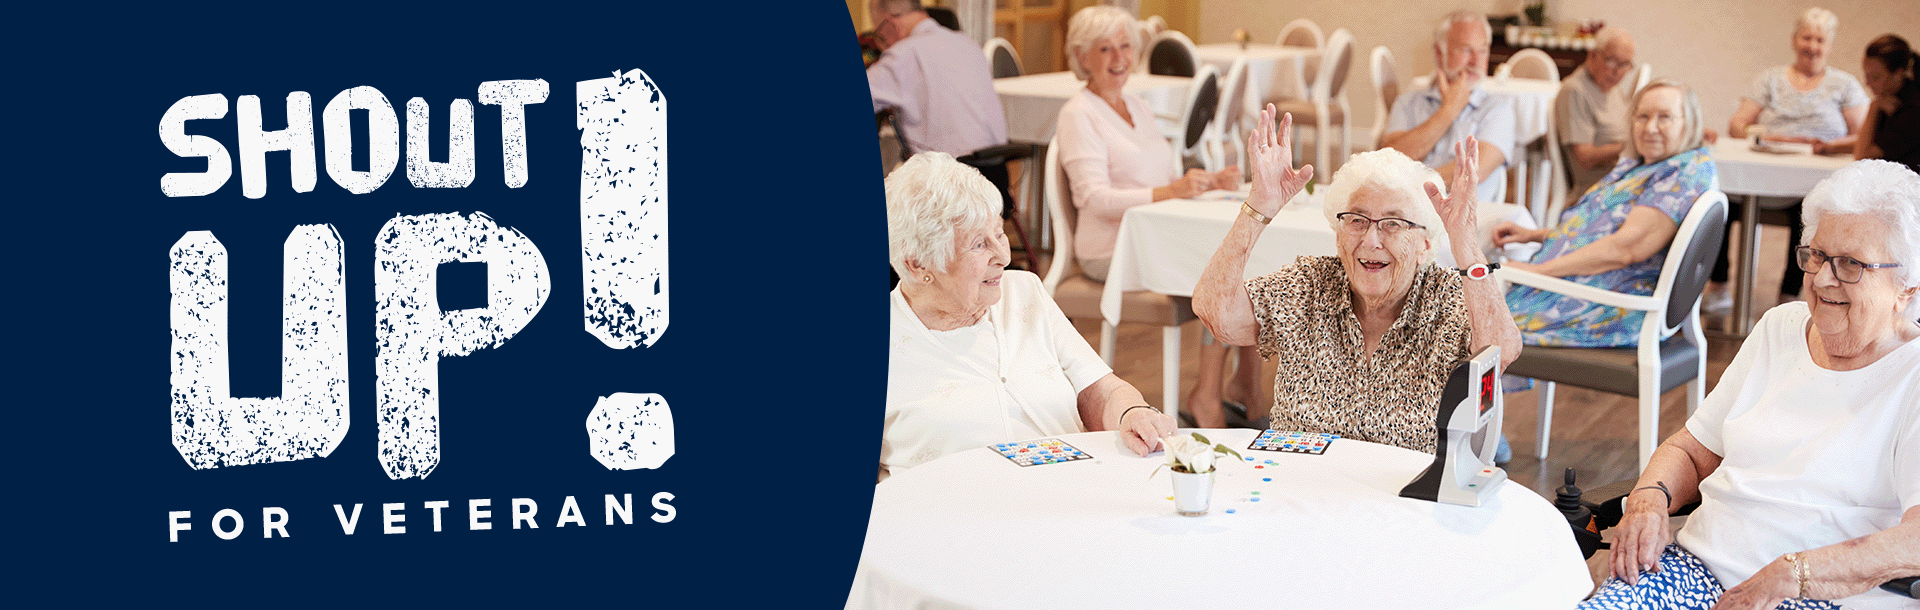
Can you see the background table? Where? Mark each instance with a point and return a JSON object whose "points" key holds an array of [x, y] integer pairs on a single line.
{"points": [[1744, 171], [1032, 102], [1164, 247], [1271, 69], [972, 530]]}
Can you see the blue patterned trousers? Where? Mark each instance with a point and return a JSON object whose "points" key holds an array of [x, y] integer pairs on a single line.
{"points": [[1683, 583]]}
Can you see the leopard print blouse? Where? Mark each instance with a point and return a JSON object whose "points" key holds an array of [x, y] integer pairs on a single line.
{"points": [[1326, 383]]}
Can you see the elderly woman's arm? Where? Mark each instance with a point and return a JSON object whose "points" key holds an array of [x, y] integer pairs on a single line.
{"points": [[1108, 405], [1835, 571], [1221, 298], [1855, 118], [1747, 115], [1677, 467], [1645, 232], [1487, 312]]}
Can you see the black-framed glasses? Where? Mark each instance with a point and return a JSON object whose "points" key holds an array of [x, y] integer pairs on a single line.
{"points": [[1358, 224], [1845, 268]]}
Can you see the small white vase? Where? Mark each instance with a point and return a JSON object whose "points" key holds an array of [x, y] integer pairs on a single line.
{"points": [[1192, 493]]}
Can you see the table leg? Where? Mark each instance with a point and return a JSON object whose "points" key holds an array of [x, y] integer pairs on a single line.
{"points": [[1749, 247]]}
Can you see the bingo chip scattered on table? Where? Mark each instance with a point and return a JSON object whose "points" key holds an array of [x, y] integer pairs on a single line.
{"points": [[1038, 452], [1313, 443]]}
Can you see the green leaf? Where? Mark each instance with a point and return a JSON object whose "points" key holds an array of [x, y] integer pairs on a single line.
{"points": [[1227, 450], [1197, 437]]}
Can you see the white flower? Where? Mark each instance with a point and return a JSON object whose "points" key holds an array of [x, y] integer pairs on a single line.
{"points": [[1184, 452]]}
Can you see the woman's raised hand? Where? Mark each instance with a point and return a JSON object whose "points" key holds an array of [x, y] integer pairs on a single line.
{"points": [[1270, 162], [1461, 202]]}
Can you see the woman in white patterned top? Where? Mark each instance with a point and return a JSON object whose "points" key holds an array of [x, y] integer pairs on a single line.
{"points": [[979, 354], [1805, 101], [1366, 338]]}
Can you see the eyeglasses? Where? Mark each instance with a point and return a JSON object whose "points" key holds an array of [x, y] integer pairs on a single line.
{"points": [[1845, 268], [1357, 224], [1616, 63]]}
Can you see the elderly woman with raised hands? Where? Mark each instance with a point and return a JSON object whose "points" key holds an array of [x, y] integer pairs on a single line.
{"points": [[1806, 457], [980, 354], [1616, 237], [1365, 338]]}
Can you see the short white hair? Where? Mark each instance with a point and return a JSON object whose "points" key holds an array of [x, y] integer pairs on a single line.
{"points": [[1692, 122], [1092, 24], [1817, 17], [1609, 36], [928, 198], [1392, 170], [1884, 190], [1446, 27]]}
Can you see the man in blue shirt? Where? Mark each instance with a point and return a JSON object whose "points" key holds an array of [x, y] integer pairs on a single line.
{"points": [[1426, 123]]}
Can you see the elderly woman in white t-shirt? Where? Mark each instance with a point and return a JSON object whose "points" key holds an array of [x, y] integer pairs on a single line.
{"points": [[1115, 158], [1806, 456], [980, 354]]}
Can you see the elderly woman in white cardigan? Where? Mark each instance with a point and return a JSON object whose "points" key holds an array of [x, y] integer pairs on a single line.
{"points": [[980, 354], [1806, 457]]}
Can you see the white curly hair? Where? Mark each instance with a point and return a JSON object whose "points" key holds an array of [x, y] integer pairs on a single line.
{"points": [[1390, 169], [1884, 190], [929, 198]]}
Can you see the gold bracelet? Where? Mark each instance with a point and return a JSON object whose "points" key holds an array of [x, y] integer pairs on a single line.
{"points": [[1800, 572], [1254, 214]]}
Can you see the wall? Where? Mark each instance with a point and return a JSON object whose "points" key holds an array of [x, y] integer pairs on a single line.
{"points": [[1716, 46]]}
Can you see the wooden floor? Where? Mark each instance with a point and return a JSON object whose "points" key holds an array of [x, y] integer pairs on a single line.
{"points": [[1593, 432]]}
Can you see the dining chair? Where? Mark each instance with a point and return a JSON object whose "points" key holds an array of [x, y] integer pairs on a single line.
{"points": [[1002, 58], [1196, 121], [1327, 104], [1227, 139], [1671, 349], [1172, 54], [1541, 156], [1302, 33], [1386, 85], [1079, 296]]}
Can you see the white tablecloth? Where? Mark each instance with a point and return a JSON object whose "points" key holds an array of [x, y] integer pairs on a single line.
{"points": [[1270, 68], [1746, 172], [1032, 102], [1164, 247], [972, 530]]}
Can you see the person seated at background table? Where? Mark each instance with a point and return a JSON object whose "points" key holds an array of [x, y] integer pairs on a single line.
{"points": [[1616, 236], [980, 354], [1593, 107], [1115, 157], [936, 80], [1892, 128], [1803, 102], [1805, 458], [1111, 147], [1426, 123], [1366, 338]]}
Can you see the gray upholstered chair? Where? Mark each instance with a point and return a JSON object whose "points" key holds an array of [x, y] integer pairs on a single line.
{"points": [[1079, 296], [1670, 338]]}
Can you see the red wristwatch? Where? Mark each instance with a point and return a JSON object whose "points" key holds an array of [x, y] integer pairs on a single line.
{"points": [[1479, 272]]}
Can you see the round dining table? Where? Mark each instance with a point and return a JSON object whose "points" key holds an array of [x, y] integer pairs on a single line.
{"points": [[975, 530]]}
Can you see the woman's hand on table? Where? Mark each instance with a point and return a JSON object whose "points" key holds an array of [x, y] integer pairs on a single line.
{"points": [[1511, 233], [1641, 536], [1195, 182], [1459, 207], [1142, 429], [1270, 163]]}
